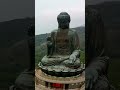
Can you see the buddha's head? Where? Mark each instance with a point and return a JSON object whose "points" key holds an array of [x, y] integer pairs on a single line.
{"points": [[63, 20]]}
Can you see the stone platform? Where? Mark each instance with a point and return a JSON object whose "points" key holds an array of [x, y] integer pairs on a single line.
{"points": [[48, 82]]}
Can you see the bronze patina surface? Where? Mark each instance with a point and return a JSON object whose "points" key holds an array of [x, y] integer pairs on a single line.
{"points": [[63, 50]]}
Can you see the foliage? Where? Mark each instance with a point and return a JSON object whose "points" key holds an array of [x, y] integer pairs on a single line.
{"points": [[82, 56]]}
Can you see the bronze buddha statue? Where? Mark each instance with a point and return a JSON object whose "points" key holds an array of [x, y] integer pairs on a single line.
{"points": [[63, 48]]}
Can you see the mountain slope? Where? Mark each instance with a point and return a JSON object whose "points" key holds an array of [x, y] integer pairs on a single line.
{"points": [[14, 30]]}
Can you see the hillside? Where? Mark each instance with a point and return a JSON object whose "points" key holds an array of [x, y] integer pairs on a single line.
{"points": [[14, 30]]}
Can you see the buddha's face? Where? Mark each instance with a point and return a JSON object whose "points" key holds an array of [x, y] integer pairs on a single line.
{"points": [[63, 25], [63, 20]]}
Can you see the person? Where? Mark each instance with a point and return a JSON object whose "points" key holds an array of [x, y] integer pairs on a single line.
{"points": [[96, 60]]}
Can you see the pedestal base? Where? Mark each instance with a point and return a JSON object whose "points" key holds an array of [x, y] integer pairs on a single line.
{"points": [[61, 70], [47, 82]]}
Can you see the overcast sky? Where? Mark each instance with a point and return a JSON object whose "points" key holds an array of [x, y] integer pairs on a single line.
{"points": [[16, 9], [46, 13]]}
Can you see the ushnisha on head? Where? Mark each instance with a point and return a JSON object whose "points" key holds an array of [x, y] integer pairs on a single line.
{"points": [[63, 20]]}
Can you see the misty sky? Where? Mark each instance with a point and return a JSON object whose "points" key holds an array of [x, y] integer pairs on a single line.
{"points": [[46, 11], [46, 14], [16, 9]]}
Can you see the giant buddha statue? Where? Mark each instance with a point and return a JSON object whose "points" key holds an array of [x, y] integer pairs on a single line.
{"points": [[63, 50]]}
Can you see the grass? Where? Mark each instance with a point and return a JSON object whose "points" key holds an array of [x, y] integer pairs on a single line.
{"points": [[82, 56]]}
